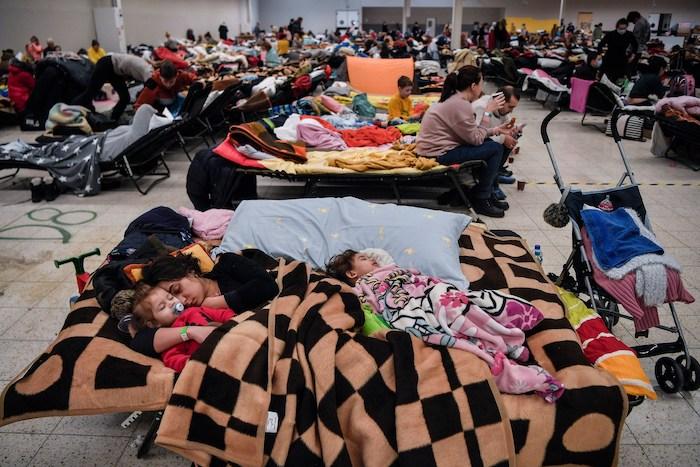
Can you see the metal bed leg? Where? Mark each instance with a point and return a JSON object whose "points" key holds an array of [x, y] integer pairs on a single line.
{"points": [[462, 196], [161, 175], [308, 187], [395, 188], [183, 145], [150, 436], [7, 177]]}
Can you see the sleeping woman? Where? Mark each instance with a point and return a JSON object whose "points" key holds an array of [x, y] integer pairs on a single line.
{"points": [[235, 282], [488, 324]]}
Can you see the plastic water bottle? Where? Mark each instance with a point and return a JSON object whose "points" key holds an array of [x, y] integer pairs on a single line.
{"points": [[538, 253]]}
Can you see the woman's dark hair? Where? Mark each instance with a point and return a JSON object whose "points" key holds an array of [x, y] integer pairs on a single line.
{"points": [[460, 80], [656, 64], [95, 43], [591, 56], [621, 21], [339, 265], [170, 268]]}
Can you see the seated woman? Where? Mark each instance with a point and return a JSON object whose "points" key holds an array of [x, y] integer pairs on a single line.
{"points": [[449, 132], [488, 324], [235, 282], [589, 70], [649, 84]]}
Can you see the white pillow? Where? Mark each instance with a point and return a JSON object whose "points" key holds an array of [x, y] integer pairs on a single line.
{"points": [[315, 229]]}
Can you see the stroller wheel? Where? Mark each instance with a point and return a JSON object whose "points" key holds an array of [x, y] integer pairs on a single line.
{"points": [[692, 376], [669, 375]]}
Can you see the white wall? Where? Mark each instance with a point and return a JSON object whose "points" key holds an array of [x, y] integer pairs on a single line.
{"points": [[71, 24], [373, 16], [318, 15], [147, 21], [68, 22]]}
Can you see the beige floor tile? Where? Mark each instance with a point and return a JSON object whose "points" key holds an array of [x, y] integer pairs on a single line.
{"points": [[37, 324], [21, 294], [44, 425], [18, 449], [80, 450], [17, 355], [97, 425], [668, 455], [633, 456], [9, 316]]}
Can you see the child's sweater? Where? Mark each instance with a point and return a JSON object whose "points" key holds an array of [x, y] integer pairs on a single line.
{"points": [[176, 357]]}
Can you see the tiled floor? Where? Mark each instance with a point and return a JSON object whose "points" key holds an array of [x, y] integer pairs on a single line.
{"points": [[34, 295]]}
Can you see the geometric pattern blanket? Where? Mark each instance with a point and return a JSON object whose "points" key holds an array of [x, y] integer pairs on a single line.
{"points": [[402, 393]]}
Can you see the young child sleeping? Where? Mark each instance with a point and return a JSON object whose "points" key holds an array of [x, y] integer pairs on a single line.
{"points": [[155, 307], [486, 323]]}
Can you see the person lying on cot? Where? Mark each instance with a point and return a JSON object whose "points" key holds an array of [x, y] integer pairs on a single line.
{"points": [[155, 308], [488, 324], [235, 282]]}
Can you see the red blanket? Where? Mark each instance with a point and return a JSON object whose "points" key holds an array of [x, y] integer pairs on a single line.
{"points": [[370, 136]]}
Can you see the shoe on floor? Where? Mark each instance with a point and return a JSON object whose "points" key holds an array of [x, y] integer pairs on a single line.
{"points": [[500, 204], [51, 190], [506, 172], [38, 190], [484, 207], [503, 180], [499, 194]]}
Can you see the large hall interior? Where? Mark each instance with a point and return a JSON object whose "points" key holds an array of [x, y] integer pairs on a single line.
{"points": [[349, 232]]}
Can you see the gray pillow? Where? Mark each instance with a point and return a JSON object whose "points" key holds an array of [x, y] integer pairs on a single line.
{"points": [[315, 229]]}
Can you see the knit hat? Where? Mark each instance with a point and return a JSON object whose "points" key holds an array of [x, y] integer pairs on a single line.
{"points": [[121, 309]]}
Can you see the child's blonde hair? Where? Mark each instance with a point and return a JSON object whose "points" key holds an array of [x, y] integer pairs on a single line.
{"points": [[142, 315]]}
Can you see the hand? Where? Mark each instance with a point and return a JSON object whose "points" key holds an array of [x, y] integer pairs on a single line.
{"points": [[199, 333], [496, 103], [509, 142]]}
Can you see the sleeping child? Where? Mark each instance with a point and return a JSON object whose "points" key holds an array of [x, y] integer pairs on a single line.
{"points": [[486, 323], [155, 307]]}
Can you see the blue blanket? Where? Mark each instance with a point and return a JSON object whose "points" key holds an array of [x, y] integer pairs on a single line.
{"points": [[616, 237]]}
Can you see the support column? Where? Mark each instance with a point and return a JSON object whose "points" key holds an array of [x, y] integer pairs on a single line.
{"points": [[457, 7], [561, 10], [406, 12]]}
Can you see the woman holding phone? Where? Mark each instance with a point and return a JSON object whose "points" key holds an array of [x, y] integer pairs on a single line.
{"points": [[449, 132]]}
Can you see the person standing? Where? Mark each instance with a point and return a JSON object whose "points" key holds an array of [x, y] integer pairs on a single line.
{"points": [[598, 32], [641, 30], [115, 69], [616, 59], [223, 31], [34, 49]]}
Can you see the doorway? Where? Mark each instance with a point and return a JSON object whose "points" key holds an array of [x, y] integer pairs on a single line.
{"points": [[585, 20]]}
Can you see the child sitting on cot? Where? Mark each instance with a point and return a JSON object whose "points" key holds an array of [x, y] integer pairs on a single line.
{"points": [[155, 307], [400, 106], [487, 323]]}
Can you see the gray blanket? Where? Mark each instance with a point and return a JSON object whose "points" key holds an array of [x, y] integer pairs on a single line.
{"points": [[73, 162]]}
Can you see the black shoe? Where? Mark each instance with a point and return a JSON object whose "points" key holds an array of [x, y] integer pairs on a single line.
{"points": [[51, 190], [38, 190], [484, 206], [506, 172], [500, 204]]}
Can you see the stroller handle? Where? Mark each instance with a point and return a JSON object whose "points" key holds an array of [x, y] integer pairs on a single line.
{"points": [[613, 124], [543, 127]]}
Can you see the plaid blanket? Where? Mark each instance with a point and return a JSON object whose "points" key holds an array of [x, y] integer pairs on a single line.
{"points": [[257, 135], [90, 369], [305, 389]]}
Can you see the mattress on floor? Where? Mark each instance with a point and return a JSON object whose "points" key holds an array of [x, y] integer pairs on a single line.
{"points": [[90, 369]]}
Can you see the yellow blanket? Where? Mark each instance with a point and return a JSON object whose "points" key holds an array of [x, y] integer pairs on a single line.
{"points": [[382, 102], [363, 159]]}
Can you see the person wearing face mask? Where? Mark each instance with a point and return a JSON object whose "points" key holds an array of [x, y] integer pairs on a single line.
{"points": [[163, 89], [589, 70], [450, 133], [618, 42], [235, 282]]}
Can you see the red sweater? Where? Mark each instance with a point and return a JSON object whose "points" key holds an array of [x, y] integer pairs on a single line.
{"points": [[151, 96], [176, 357]]}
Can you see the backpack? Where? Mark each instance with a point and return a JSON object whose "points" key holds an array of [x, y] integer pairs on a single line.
{"points": [[362, 107], [212, 182], [681, 85]]}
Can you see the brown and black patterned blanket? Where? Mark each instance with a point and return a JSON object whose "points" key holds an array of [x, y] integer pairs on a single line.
{"points": [[334, 395]]}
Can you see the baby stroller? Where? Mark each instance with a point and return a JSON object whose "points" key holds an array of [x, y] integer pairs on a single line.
{"points": [[577, 274]]}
